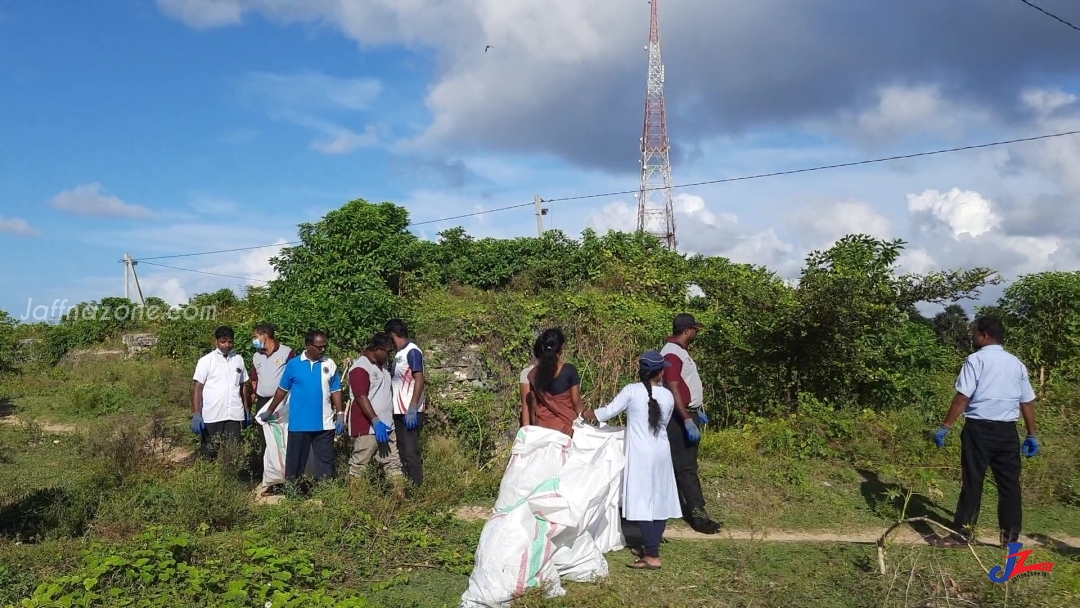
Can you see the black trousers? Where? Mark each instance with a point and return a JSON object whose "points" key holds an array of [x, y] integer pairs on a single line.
{"points": [[684, 457], [983, 444], [408, 445], [215, 433], [320, 445]]}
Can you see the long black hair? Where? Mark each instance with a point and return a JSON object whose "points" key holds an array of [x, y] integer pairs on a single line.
{"points": [[551, 345], [654, 407]]}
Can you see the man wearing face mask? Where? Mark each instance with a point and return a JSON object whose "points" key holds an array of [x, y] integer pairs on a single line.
{"points": [[220, 401], [267, 368], [268, 364]]}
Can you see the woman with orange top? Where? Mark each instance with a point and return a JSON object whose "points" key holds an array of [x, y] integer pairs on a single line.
{"points": [[554, 397]]}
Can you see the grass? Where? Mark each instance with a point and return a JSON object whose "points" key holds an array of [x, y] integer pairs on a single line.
{"points": [[68, 497]]}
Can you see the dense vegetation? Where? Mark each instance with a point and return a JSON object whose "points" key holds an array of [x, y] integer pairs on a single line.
{"points": [[809, 381]]}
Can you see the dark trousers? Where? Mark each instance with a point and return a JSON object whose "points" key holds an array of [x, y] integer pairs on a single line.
{"points": [[215, 433], [983, 444], [652, 534], [408, 445], [320, 445], [684, 457]]}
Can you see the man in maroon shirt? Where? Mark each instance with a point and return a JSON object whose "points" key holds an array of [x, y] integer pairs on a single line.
{"points": [[682, 379]]}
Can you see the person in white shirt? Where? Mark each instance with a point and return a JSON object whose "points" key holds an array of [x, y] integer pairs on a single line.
{"points": [[220, 400], [992, 391], [650, 494], [407, 393]]}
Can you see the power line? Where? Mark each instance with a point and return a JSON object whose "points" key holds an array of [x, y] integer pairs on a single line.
{"points": [[686, 185], [1051, 15], [458, 217], [187, 255], [213, 274], [825, 167]]}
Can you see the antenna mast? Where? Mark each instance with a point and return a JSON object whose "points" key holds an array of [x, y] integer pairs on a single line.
{"points": [[656, 215]]}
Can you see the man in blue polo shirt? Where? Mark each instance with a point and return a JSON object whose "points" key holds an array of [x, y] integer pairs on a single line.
{"points": [[992, 391], [313, 385]]}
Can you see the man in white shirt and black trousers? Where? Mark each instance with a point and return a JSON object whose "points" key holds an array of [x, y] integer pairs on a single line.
{"points": [[992, 391], [220, 400]]}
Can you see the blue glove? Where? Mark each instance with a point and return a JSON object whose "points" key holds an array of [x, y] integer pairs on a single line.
{"points": [[382, 431], [702, 417], [267, 416], [247, 419], [412, 417], [692, 432], [1030, 447], [939, 436], [339, 424], [197, 425]]}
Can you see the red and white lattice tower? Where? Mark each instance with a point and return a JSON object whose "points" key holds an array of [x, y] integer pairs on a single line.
{"points": [[655, 213]]}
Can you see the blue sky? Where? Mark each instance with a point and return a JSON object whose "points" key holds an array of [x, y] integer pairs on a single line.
{"points": [[192, 125]]}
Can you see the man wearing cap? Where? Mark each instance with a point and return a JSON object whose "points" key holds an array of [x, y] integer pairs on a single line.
{"points": [[682, 379]]}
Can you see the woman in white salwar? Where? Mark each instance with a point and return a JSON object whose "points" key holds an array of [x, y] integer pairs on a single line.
{"points": [[650, 496]]}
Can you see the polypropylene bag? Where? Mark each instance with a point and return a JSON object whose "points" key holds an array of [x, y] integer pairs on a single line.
{"points": [[538, 455], [561, 527], [276, 433]]}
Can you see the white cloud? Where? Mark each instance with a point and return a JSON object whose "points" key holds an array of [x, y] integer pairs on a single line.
{"points": [[822, 224], [14, 225], [340, 140], [311, 91], [962, 211], [702, 231], [203, 14], [1046, 101], [915, 261], [90, 200], [301, 98], [901, 109]]}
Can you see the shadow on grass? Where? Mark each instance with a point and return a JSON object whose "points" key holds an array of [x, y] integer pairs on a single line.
{"points": [[1058, 546], [876, 494], [7, 408], [45, 511]]}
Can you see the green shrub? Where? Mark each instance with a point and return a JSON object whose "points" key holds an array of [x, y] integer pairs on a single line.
{"points": [[162, 570]]}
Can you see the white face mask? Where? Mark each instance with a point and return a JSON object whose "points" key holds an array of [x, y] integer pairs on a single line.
{"points": [[257, 344]]}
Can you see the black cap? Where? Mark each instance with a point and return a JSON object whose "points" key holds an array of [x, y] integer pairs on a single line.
{"points": [[683, 322]]}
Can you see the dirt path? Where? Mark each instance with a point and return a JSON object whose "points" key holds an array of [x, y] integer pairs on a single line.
{"points": [[47, 427], [169, 453], [861, 537]]}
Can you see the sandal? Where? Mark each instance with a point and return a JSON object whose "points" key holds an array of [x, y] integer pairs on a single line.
{"points": [[637, 552], [642, 565]]}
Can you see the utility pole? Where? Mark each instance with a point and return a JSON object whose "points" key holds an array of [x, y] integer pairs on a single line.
{"points": [[656, 214], [129, 273], [127, 269], [540, 213]]}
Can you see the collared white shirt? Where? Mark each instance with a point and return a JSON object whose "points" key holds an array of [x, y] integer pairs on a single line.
{"points": [[221, 377], [996, 382]]}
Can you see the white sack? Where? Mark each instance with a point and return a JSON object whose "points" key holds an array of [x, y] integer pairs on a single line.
{"points": [[562, 525], [592, 473], [537, 456], [276, 433]]}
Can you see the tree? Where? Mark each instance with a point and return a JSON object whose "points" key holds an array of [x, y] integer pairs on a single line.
{"points": [[1042, 316], [345, 276], [850, 339], [953, 328], [9, 342]]}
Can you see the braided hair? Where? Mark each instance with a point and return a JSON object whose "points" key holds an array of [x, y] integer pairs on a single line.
{"points": [[646, 377]]}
